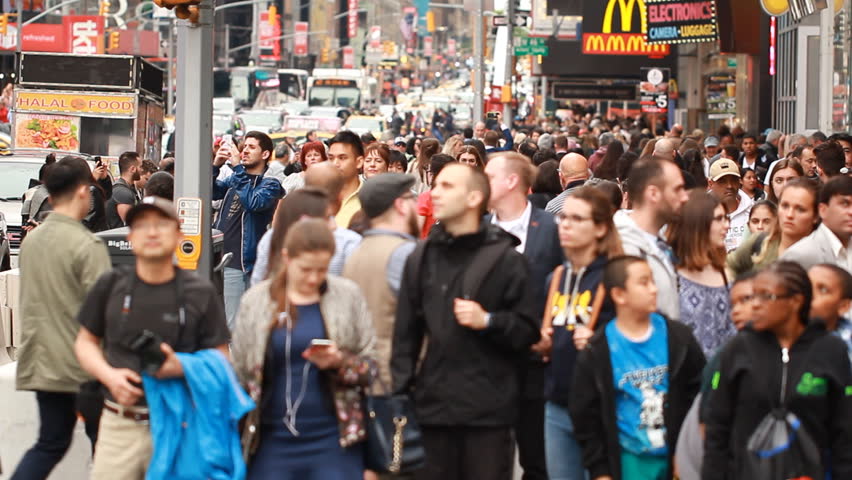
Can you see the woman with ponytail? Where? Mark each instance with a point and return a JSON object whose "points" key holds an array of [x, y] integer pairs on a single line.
{"points": [[302, 348]]}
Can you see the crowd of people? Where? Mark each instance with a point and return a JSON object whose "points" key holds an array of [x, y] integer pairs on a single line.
{"points": [[607, 302]]}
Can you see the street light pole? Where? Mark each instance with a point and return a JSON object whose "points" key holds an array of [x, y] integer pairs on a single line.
{"points": [[193, 121], [478, 63], [507, 78]]}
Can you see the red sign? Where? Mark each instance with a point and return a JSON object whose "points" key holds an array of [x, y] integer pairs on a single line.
{"points": [[375, 38], [348, 57], [300, 39], [270, 43], [451, 47], [427, 46], [352, 19], [38, 37], [85, 34]]}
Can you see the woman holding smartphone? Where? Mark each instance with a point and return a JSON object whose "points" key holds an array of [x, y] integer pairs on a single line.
{"points": [[302, 348]]}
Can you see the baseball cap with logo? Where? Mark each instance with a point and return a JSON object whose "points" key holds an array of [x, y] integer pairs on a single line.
{"points": [[723, 167]]}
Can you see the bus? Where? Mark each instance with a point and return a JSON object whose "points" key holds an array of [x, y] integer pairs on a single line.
{"points": [[293, 83], [337, 87], [247, 83]]}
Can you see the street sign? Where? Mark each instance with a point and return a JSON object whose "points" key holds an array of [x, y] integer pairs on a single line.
{"points": [[531, 46], [451, 47], [574, 91], [427, 46], [499, 21], [348, 57], [300, 39], [352, 19]]}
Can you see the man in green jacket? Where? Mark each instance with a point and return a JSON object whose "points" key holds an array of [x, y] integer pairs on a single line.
{"points": [[60, 260]]}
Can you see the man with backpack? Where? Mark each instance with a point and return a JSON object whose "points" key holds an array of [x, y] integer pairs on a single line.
{"points": [[123, 190], [467, 289]]}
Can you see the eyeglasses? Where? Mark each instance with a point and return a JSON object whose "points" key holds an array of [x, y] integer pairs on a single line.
{"points": [[574, 218], [771, 297]]}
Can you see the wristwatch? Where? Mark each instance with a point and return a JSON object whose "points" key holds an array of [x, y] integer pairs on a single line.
{"points": [[487, 320]]}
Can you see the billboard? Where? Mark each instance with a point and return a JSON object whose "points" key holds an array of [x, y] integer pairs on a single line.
{"points": [[300, 39], [681, 21], [618, 27], [85, 34], [654, 90]]}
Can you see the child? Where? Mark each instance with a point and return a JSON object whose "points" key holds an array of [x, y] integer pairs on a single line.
{"points": [[634, 383], [832, 298]]}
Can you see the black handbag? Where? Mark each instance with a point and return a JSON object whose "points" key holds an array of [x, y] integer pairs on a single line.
{"points": [[394, 440]]}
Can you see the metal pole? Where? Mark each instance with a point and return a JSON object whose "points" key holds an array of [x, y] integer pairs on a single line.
{"points": [[19, 5], [227, 45], [170, 72], [193, 122], [826, 68], [478, 63], [255, 33], [507, 79], [544, 94]]}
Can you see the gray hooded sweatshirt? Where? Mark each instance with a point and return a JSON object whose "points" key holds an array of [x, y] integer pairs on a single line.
{"points": [[637, 242]]}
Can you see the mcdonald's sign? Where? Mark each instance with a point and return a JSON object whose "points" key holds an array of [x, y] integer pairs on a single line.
{"points": [[623, 37]]}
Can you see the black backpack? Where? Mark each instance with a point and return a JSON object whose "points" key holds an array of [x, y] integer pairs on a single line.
{"points": [[780, 448]]}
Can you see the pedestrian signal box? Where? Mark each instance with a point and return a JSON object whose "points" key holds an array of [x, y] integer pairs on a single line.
{"points": [[189, 212]]}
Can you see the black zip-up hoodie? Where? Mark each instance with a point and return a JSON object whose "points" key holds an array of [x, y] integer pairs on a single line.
{"points": [[467, 377], [592, 404], [563, 355], [747, 385]]}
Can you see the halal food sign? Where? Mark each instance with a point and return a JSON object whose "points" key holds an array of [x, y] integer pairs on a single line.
{"points": [[623, 26]]}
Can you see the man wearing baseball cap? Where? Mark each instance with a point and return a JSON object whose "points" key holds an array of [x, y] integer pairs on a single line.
{"points": [[392, 208], [711, 152], [724, 183], [142, 316]]}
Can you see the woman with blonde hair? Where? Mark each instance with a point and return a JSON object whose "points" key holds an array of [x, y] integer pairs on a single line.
{"points": [[302, 348], [452, 145]]}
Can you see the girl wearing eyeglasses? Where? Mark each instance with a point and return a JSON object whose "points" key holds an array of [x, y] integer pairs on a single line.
{"points": [[783, 358], [574, 308]]}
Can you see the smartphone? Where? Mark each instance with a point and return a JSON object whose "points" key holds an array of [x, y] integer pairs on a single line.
{"points": [[227, 139], [98, 161], [321, 342], [492, 115]]}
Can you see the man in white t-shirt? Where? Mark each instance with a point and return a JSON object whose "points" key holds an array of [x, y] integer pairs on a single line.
{"points": [[725, 182]]}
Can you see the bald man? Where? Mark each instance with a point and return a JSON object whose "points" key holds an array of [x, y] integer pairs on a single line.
{"points": [[665, 149], [573, 173]]}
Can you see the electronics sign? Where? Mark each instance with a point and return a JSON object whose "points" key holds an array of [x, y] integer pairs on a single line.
{"points": [[680, 21]]}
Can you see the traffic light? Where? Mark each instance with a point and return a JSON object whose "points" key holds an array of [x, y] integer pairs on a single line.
{"points": [[103, 10], [430, 21], [272, 15], [114, 37], [184, 9], [4, 24], [324, 55]]}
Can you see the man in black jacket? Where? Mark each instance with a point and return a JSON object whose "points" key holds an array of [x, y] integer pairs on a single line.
{"points": [[635, 382], [468, 291]]}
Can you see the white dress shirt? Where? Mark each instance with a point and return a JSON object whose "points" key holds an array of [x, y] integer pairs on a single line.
{"points": [[517, 227], [842, 253]]}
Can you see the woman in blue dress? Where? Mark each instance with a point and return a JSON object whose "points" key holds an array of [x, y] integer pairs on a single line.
{"points": [[302, 347]]}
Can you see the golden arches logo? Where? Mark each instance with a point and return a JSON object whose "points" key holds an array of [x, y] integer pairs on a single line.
{"points": [[626, 8]]}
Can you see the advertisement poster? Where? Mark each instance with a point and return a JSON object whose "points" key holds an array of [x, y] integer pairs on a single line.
{"points": [[300, 39], [56, 132], [79, 103], [680, 21], [654, 90], [721, 96]]}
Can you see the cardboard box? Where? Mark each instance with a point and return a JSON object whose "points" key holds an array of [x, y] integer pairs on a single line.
{"points": [[5, 327], [13, 289]]}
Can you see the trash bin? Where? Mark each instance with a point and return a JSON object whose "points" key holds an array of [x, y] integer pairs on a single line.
{"points": [[121, 253]]}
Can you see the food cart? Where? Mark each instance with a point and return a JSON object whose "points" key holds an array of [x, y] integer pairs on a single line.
{"points": [[88, 104]]}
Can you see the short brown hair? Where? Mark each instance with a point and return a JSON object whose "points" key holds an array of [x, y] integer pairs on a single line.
{"points": [[478, 182]]}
